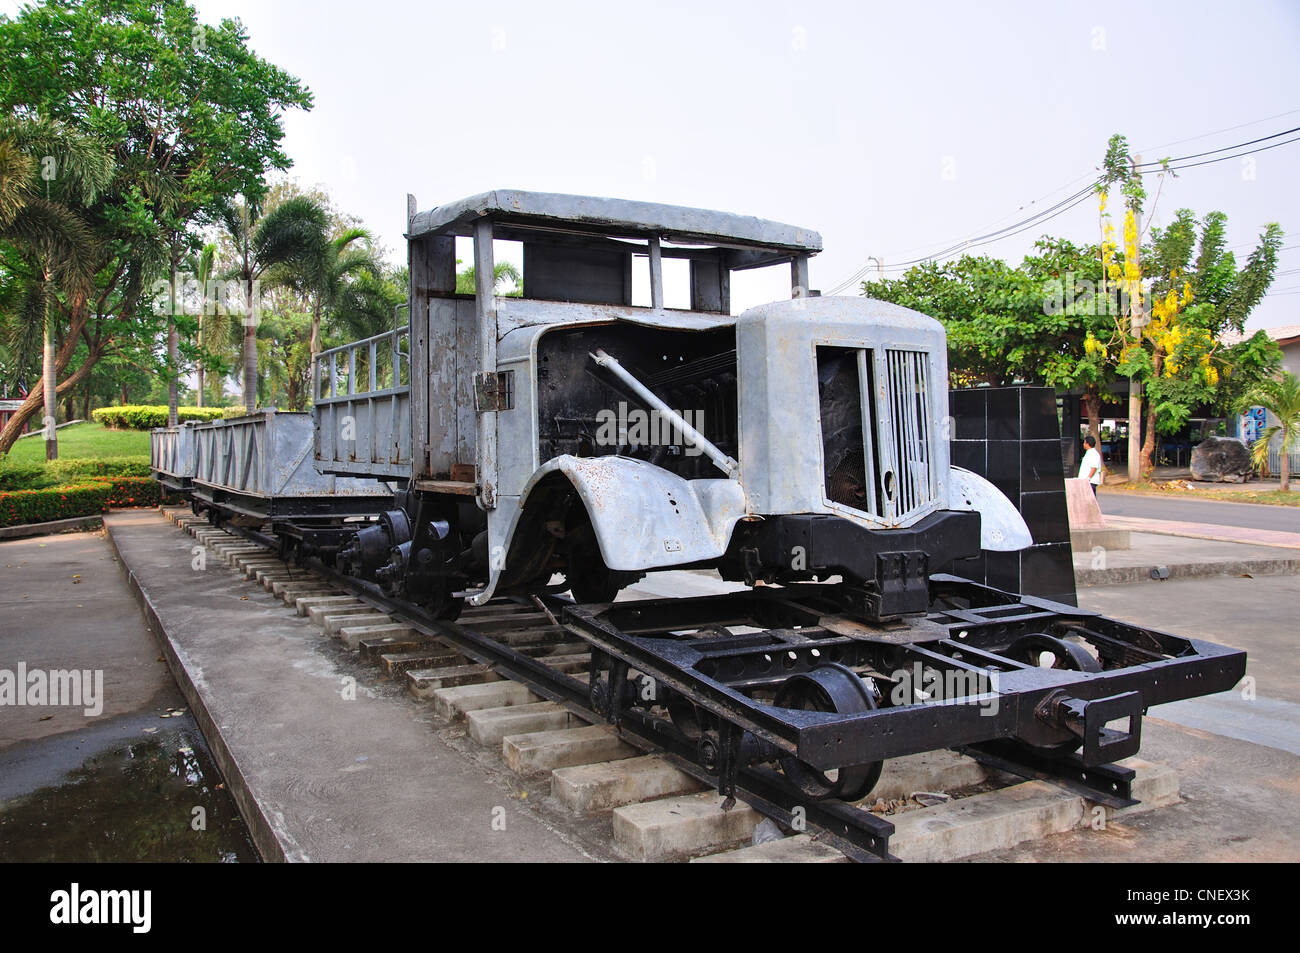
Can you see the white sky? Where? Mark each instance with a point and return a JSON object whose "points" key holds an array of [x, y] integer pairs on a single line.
{"points": [[893, 129]]}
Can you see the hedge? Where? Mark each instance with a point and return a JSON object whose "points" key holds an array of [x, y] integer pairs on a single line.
{"points": [[73, 470], [148, 416], [85, 499]]}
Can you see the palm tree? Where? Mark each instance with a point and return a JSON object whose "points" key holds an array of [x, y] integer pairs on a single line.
{"points": [[291, 234], [329, 280], [38, 214], [1280, 396], [502, 271], [201, 266]]}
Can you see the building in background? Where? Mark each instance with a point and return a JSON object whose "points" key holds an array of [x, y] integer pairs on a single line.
{"points": [[1256, 419]]}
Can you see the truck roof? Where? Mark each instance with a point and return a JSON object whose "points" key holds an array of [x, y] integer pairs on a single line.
{"points": [[522, 215]]}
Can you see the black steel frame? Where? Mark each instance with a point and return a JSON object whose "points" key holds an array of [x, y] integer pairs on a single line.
{"points": [[677, 642], [684, 645]]}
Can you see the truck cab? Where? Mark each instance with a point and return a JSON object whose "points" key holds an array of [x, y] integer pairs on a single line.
{"points": [[570, 431]]}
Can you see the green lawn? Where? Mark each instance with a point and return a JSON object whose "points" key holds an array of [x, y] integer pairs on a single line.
{"points": [[83, 441], [85, 451]]}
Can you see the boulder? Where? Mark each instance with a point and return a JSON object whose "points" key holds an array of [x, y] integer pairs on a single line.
{"points": [[1221, 460]]}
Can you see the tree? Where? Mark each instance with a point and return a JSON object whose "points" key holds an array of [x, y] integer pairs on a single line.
{"points": [[1172, 351], [191, 118], [502, 271], [203, 266], [291, 234], [50, 231], [1280, 396]]}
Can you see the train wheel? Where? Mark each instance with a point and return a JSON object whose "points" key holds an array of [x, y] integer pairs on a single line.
{"points": [[1045, 651], [685, 716], [443, 605], [832, 688]]}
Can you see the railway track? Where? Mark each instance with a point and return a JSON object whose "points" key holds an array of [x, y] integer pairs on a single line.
{"points": [[515, 678]]}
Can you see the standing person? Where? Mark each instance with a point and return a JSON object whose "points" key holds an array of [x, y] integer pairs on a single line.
{"points": [[1091, 466]]}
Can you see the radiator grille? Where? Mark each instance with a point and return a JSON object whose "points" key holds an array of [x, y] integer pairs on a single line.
{"points": [[909, 400], [877, 442]]}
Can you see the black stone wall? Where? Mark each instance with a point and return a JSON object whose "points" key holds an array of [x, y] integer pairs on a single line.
{"points": [[1010, 436]]}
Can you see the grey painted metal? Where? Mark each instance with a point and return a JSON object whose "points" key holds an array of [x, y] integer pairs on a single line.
{"points": [[781, 465], [901, 357], [1002, 528], [485, 299], [514, 313], [799, 277], [656, 274], [619, 217], [267, 454], [363, 422], [171, 451], [692, 436]]}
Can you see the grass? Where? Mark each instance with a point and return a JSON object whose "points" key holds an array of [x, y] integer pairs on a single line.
{"points": [[1167, 491], [85, 451], [83, 441]]}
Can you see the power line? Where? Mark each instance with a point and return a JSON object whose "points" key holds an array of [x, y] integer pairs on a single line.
{"points": [[1197, 155], [1206, 135], [1068, 203]]}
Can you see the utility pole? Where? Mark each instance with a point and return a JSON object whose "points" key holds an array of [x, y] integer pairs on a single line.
{"points": [[1137, 321]]}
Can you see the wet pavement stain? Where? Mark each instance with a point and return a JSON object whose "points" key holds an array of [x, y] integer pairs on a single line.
{"points": [[138, 800]]}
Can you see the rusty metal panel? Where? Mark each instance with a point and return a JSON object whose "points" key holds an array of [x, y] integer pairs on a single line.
{"points": [[362, 407], [432, 265], [267, 454], [710, 286], [171, 451]]}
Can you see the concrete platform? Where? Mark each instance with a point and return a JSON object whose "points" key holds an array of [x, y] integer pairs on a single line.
{"points": [[318, 774]]}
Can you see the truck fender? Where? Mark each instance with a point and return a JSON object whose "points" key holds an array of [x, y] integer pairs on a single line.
{"points": [[646, 517], [1002, 528]]}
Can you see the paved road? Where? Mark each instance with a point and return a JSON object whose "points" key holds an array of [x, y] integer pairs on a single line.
{"points": [[1249, 515]]}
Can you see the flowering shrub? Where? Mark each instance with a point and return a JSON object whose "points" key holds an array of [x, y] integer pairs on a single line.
{"points": [[71, 470], [84, 499]]}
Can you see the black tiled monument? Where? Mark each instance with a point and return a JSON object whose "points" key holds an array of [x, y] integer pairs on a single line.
{"points": [[1011, 437]]}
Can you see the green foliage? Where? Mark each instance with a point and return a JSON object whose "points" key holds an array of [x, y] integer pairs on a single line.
{"points": [[502, 271], [1280, 396], [1005, 324], [85, 499], [146, 417], [189, 116], [34, 476]]}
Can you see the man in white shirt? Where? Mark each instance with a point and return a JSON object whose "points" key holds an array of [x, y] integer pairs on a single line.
{"points": [[1090, 468]]}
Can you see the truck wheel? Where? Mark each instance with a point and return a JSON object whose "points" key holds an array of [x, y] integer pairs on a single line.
{"points": [[589, 579]]}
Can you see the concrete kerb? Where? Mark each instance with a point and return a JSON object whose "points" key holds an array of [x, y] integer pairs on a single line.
{"points": [[1125, 575], [262, 832], [26, 530]]}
